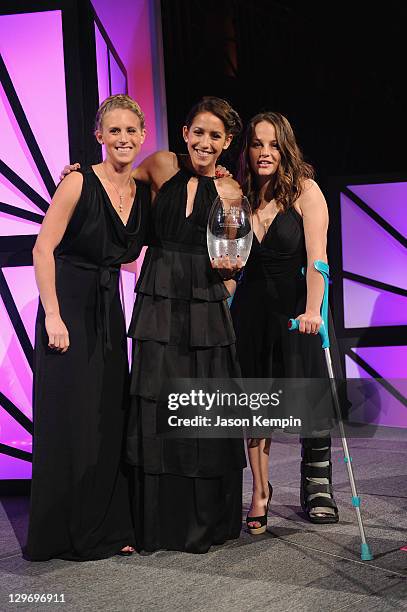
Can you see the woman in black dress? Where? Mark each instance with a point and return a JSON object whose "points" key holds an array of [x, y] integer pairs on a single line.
{"points": [[80, 507], [188, 491], [290, 224]]}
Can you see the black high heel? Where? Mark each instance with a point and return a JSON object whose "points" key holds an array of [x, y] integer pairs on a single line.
{"points": [[260, 519]]}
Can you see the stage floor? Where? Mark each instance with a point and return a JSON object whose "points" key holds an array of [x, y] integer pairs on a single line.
{"points": [[294, 566]]}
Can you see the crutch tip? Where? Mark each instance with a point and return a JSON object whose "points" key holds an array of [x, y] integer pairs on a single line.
{"points": [[365, 552]]}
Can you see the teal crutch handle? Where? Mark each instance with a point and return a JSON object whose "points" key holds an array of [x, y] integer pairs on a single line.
{"points": [[294, 324]]}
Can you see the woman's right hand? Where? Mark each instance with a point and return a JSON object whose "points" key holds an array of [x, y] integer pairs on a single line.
{"points": [[58, 336], [68, 169], [226, 267]]}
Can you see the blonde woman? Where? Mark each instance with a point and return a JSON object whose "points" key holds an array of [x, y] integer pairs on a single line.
{"points": [[97, 220]]}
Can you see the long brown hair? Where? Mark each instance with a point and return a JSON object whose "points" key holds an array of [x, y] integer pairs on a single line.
{"points": [[291, 172]]}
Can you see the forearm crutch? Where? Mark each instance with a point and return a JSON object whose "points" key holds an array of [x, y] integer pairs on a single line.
{"points": [[294, 324]]}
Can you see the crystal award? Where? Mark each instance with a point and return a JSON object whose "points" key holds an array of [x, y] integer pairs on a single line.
{"points": [[229, 233]]}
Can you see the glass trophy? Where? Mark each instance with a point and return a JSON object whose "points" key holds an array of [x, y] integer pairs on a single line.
{"points": [[229, 234]]}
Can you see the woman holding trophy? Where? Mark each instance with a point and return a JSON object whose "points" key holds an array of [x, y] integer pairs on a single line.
{"points": [[290, 224], [188, 492]]}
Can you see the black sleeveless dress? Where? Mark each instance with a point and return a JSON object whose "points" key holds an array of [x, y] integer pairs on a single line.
{"points": [[272, 291], [188, 492], [80, 498]]}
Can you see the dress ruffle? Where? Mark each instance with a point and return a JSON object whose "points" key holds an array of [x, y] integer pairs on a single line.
{"points": [[181, 275], [181, 322], [157, 362], [192, 324]]}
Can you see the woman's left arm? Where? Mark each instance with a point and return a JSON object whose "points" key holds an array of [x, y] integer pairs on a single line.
{"points": [[314, 210]]}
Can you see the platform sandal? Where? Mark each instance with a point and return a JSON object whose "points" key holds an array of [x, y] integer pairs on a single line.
{"points": [[260, 519], [317, 499]]}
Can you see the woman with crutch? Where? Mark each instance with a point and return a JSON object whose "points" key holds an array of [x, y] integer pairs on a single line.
{"points": [[290, 222]]}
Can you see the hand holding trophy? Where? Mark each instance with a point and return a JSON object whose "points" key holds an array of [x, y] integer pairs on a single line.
{"points": [[229, 234]]}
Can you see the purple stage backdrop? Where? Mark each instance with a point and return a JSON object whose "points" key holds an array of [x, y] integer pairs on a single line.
{"points": [[373, 222], [374, 264], [32, 52], [33, 99]]}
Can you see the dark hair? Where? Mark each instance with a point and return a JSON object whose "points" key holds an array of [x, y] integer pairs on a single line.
{"points": [[221, 109], [291, 172]]}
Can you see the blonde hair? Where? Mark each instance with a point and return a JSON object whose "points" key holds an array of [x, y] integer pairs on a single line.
{"points": [[118, 101]]}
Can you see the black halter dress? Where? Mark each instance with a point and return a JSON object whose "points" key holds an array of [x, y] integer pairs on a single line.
{"points": [[188, 492], [273, 290]]}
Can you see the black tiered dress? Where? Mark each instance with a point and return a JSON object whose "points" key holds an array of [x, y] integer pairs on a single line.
{"points": [[188, 492], [80, 508]]}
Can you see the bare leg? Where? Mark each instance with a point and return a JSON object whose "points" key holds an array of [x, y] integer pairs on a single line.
{"points": [[259, 463]]}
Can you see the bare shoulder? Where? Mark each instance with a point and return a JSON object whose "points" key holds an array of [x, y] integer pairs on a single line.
{"points": [[162, 160], [71, 186], [311, 196], [308, 185], [61, 209], [157, 168], [228, 187], [165, 157]]}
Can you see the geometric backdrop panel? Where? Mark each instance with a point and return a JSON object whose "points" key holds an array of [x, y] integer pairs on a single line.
{"points": [[13, 434], [15, 368], [11, 225], [32, 49], [14, 468], [388, 200], [111, 73], [372, 311], [14, 197], [14, 151], [117, 78], [41, 59], [380, 307], [368, 250], [102, 65], [389, 361], [33, 148], [372, 402], [21, 282], [127, 282]]}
